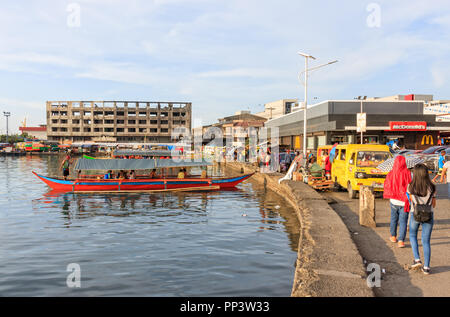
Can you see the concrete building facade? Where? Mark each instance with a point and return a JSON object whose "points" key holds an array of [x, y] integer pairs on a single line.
{"points": [[334, 121], [116, 121], [277, 108]]}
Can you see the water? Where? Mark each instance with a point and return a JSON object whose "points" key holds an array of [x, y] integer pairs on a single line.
{"points": [[223, 243]]}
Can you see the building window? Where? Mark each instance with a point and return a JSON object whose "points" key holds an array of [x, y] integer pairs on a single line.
{"points": [[132, 130], [142, 121]]}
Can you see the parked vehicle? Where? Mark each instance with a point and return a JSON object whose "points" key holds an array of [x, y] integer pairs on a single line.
{"points": [[434, 149], [432, 160], [356, 165]]}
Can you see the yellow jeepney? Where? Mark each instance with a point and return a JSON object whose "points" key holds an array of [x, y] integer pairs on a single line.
{"points": [[356, 164]]}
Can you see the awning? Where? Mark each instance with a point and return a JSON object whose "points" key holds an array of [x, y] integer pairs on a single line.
{"points": [[134, 164], [142, 152]]}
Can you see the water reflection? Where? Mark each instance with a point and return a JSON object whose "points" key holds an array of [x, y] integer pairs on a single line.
{"points": [[142, 244]]}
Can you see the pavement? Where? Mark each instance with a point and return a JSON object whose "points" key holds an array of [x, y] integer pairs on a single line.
{"points": [[374, 246]]}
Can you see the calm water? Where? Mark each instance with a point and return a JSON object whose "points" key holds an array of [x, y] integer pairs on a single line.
{"points": [[227, 243]]}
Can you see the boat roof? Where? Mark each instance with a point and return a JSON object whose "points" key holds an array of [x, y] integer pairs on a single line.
{"points": [[142, 152], [135, 164]]}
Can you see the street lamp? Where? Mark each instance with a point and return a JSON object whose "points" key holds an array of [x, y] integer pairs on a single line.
{"points": [[6, 114], [306, 56]]}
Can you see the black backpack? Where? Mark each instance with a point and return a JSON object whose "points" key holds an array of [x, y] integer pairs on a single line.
{"points": [[422, 212]]}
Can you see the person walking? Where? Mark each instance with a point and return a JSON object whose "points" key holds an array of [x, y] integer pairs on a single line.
{"points": [[446, 172], [395, 187], [441, 162], [421, 191]]}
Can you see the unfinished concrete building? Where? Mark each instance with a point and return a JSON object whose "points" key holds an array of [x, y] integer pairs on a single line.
{"points": [[116, 121]]}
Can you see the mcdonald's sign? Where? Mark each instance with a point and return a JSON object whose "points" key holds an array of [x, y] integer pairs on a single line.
{"points": [[427, 139], [407, 125]]}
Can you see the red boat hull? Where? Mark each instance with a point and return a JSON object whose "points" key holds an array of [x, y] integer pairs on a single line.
{"points": [[81, 185]]}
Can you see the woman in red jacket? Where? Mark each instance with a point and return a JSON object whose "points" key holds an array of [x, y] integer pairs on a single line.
{"points": [[395, 186]]}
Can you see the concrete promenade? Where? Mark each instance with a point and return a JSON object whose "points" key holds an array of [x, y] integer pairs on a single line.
{"points": [[375, 247]]}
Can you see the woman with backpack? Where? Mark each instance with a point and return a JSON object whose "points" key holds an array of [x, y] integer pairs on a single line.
{"points": [[395, 187], [422, 196]]}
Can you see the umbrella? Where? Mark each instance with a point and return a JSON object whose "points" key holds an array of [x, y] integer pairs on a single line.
{"points": [[387, 165]]}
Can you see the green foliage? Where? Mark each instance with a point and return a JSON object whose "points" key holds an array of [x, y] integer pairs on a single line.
{"points": [[12, 138]]}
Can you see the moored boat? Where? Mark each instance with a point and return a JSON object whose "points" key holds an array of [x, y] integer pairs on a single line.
{"points": [[141, 182]]}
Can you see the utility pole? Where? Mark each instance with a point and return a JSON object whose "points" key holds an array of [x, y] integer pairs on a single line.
{"points": [[306, 56], [6, 114]]}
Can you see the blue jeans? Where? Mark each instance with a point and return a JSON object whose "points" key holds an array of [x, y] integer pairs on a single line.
{"points": [[427, 227], [398, 217]]}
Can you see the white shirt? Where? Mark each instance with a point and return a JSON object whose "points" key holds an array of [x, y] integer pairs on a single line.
{"points": [[397, 202]]}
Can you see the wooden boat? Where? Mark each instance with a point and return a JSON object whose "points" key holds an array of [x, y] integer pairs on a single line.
{"points": [[139, 184]]}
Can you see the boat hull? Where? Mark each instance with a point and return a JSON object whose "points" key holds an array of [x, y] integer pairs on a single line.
{"points": [[112, 185]]}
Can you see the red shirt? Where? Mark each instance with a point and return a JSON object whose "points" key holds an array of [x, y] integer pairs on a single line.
{"points": [[327, 163]]}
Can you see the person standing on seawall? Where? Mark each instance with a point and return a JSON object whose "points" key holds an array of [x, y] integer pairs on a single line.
{"points": [[421, 191], [446, 171], [395, 186]]}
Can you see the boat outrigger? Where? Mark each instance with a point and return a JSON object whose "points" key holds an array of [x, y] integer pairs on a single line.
{"points": [[141, 183]]}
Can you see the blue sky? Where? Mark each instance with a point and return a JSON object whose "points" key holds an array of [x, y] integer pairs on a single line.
{"points": [[221, 55]]}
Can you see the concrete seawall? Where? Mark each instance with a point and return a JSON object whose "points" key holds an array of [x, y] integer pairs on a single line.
{"points": [[328, 262]]}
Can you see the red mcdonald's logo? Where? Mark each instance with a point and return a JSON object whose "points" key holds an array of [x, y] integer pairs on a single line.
{"points": [[407, 125]]}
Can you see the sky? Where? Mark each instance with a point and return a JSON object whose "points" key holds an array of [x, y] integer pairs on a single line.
{"points": [[221, 55]]}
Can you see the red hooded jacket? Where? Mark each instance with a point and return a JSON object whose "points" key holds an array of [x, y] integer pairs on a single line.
{"points": [[397, 181]]}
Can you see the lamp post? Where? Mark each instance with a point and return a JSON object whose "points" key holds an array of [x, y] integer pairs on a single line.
{"points": [[306, 56], [6, 114]]}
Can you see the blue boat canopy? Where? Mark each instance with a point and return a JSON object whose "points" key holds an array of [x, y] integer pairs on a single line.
{"points": [[135, 164]]}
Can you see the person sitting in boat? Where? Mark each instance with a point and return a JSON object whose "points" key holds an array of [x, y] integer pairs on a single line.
{"points": [[132, 175], [107, 175], [181, 173], [153, 173], [204, 174]]}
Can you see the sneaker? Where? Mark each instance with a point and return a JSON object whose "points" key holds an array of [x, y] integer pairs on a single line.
{"points": [[426, 270], [393, 239], [416, 263], [401, 244]]}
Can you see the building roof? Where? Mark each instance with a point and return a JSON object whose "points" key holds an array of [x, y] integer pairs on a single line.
{"points": [[32, 129]]}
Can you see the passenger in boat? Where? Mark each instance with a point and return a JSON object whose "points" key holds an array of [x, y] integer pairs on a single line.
{"points": [[181, 173], [107, 175], [65, 166], [153, 173], [204, 174], [132, 175]]}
